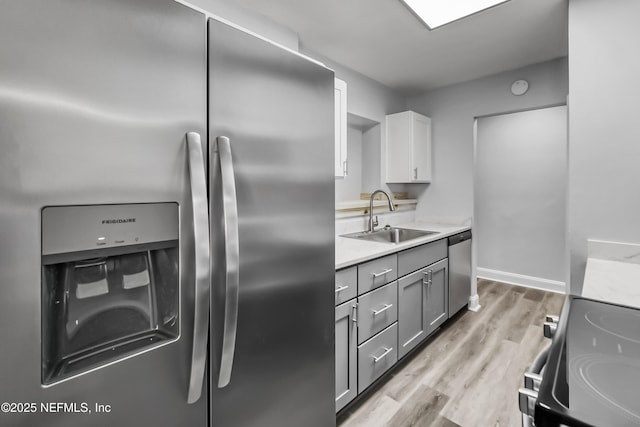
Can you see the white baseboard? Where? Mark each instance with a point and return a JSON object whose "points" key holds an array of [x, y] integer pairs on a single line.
{"points": [[522, 280]]}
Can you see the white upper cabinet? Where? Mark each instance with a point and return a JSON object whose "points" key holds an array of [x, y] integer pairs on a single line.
{"points": [[408, 141], [341, 128]]}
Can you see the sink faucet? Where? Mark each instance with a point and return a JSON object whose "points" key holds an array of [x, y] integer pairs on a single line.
{"points": [[373, 224]]}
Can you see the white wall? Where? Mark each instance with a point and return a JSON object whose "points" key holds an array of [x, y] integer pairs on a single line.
{"points": [[520, 197], [604, 130], [453, 110]]}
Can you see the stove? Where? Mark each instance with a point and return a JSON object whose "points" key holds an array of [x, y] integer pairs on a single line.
{"points": [[592, 372]]}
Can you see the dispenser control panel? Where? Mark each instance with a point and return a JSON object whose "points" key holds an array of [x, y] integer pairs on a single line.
{"points": [[81, 228]]}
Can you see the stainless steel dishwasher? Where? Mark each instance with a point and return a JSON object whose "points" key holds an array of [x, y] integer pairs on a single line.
{"points": [[459, 271]]}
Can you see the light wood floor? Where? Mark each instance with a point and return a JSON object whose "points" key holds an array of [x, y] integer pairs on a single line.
{"points": [[469, 373]]}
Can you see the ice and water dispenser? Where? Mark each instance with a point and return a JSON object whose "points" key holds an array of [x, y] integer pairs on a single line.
{"points": [[110, 284]]}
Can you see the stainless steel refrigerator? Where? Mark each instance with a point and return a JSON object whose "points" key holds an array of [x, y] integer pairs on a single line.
{"points": [[166, 220]]}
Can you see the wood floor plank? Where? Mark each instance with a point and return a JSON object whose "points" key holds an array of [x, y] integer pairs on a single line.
{"points": [[508, 413], [443, 422], [478, 400], [488, 288], [550, 304], [485, 371], [527, 310], [375, 412], [534, 294], [422, 409]]}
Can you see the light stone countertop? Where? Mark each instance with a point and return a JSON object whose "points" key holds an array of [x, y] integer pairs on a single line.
{"points": [[354, 251], [613, 273]]}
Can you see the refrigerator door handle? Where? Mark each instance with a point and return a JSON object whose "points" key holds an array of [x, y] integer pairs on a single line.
{"points": [[232, 257], [202, 277]]}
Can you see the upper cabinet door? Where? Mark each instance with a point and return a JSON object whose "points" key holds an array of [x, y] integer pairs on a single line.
{"points": [[421, 148], [341, 166], [408, 141]]}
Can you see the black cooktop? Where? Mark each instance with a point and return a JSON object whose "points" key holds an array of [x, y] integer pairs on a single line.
{"points": [[592, 375]]}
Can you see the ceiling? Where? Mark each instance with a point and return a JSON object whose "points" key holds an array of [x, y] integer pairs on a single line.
{"points": [[384, 41]]}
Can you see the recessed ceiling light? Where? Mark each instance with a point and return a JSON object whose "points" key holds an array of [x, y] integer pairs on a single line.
{"points": [[436, 13]]}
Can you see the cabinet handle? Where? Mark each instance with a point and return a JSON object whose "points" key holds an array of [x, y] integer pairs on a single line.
{"points": [[379, 358], [354, 311], [341, 288], [415, 173], [345, 168], [383, 309], [429, 277], [383, 272]]}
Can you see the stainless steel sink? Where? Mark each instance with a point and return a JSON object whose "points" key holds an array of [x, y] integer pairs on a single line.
{"points": [[390, 235]]}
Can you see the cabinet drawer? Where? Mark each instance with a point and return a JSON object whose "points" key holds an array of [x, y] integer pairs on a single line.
{"points": [[377, 310], [346, 284], [376, 273], [376, 356], [421, 256]]}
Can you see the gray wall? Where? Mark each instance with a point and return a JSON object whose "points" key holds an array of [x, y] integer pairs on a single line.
{"points": [[604, 130], [453, 110], [371, 155], [520, 193]]}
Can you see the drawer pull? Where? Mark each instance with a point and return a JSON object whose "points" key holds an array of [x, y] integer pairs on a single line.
{"points": [[383, 309], [383, 272], [382, 356], [341, 288]]}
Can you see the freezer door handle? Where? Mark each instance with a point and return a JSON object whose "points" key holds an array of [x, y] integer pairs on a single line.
{"points": [[202, 277], [232, 257]]}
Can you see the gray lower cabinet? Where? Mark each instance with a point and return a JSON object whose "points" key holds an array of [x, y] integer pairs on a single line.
{"points": [[412, 313], [376, 356], [346, 354], [380, 271], [377, 310], [437, 306], [386, 318], [346, 284], [422, 304]]}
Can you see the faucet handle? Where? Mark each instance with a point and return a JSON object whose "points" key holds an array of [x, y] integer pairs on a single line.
{"points": [[375, 221]]}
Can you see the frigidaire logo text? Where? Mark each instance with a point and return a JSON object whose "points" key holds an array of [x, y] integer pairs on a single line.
{"points": [[118, 220]]}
